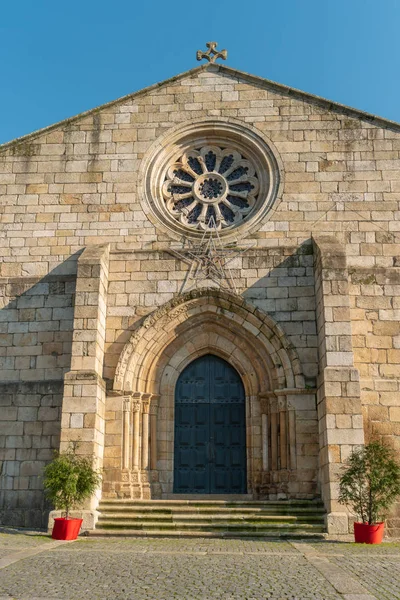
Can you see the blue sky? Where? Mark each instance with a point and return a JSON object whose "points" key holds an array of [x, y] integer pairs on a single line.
{"points": [[61, 58]]}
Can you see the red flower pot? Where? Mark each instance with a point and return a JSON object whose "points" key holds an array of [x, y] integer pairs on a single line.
{"points": [[368, 534], [66, 529]]}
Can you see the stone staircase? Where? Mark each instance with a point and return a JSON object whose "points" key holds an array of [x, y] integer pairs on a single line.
{"points": [[211, 518]]}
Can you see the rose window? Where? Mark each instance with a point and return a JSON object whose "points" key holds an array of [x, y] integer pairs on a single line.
{"points": [[210, 185]]}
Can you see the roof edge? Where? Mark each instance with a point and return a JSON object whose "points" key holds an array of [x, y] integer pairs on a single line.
{"points": [[255, 79]]}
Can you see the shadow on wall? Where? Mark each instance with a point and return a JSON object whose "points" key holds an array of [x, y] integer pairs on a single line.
{"points": [[283, 287], [36, 326]]}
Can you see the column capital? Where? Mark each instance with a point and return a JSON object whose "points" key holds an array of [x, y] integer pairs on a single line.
{"points": [[136, 401], [282, 404], [135, 405], [154, 403], [126, 403], [146, 403]]}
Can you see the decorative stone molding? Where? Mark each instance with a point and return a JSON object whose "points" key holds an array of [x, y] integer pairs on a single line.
{"points": [[154, 403], [213, 167], [136, 401], [146, 403]]}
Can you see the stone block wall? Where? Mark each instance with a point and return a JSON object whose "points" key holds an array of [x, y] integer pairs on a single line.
{"points": [[36, 323], [36, 317], [376, 339], [30, 420], [375, 314]]}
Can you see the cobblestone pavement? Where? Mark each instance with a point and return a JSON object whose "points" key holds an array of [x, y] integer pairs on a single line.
{"points": [[196, 569], [378, 567], [14, 542]]}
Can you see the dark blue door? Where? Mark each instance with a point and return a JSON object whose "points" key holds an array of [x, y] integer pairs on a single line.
{"points": [[210, 431]]}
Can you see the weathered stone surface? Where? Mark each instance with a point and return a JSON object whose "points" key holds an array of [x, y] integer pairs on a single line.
{"points": [[28, 447]]}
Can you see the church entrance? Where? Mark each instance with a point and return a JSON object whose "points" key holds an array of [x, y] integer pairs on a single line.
{"points": [[210, 429]]}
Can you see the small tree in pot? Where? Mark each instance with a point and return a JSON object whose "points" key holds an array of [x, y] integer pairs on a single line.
{"points": [[69, 480], [369, 485]]}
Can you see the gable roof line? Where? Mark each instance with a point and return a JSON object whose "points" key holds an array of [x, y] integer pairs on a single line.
{"points": [[255, 79]]}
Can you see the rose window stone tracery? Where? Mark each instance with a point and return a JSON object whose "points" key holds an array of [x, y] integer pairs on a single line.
{"points": [[210, 184]]}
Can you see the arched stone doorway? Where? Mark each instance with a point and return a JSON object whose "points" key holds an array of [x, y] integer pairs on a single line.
{"points": [[280, 411], [210, 429]]}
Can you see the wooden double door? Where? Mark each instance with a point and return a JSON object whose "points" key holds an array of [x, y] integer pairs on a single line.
{"points": [[210, 429]]}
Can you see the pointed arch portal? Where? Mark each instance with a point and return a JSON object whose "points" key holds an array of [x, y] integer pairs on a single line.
{"points": [[272, 458]]}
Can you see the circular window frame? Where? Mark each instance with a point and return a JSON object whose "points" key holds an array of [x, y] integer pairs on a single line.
{"points": [[244, 138]]}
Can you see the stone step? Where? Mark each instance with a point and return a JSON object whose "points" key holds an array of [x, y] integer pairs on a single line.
{"points": [[207, 518], [271, 535], [168, 504], [223, 526], [215, 518], [208, 497], [115, 508]]}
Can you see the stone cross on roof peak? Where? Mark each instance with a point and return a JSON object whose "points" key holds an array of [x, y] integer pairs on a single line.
{"points": [[212, 54]]}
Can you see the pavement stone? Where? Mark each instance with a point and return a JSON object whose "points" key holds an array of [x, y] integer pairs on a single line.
{"points": [[198, 569], [380, 574], [13, 541]]}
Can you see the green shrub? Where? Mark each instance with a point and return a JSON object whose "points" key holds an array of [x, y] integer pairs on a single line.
{"points": [[370, 482], [69, 480]]}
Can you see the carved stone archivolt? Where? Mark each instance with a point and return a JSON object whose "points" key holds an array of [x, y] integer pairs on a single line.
{"points": [[150, 337]]}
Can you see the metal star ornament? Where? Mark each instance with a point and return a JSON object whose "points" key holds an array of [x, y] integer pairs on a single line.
{"points": [[209, 259]]}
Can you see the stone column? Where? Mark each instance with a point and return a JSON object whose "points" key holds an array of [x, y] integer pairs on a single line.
{"points": [[338, 395], [289, 428], [265, 440], [124, 487], [126, 438], [292, 439], [302, 441], [274, 434], [267, 443], [145, 462], [155, 485], [136, 414], [282, 433], [153, 431]]}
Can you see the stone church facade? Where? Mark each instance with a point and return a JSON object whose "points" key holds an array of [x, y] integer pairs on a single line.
{"points": [[111, 292]]}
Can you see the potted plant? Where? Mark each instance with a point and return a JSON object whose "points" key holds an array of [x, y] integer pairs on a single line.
{"points": [[69, 480], [369, 485]]}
